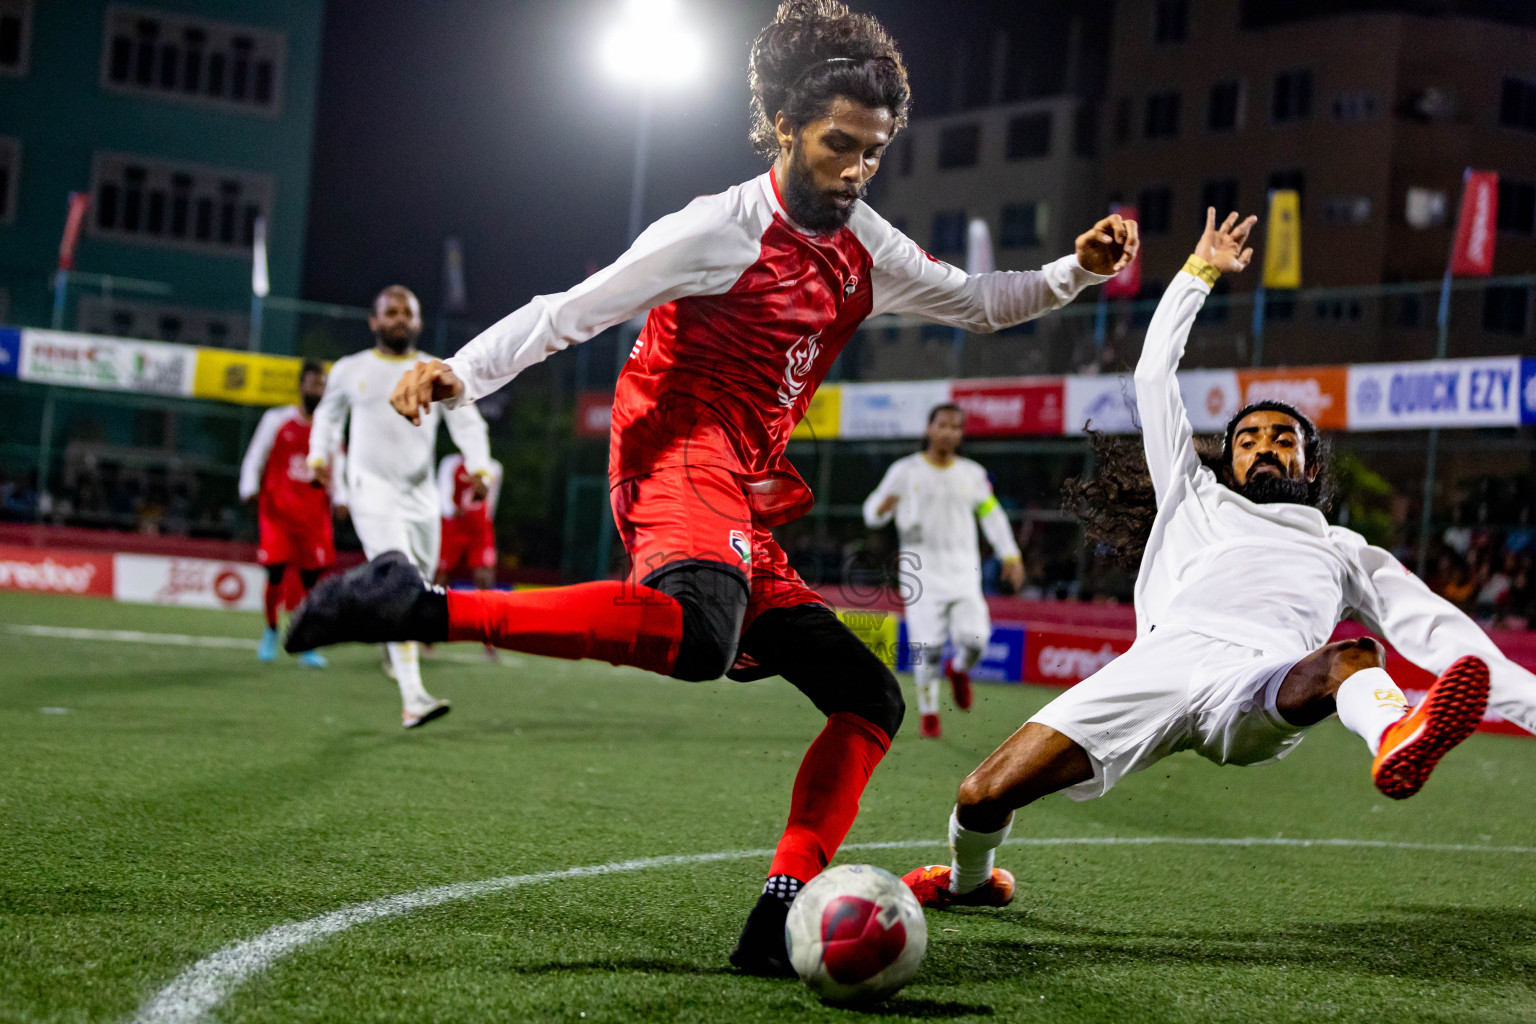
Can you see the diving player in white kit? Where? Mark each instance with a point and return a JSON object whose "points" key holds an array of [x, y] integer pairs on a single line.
{"points": [[936, 497], [391, 465], [1242, 582]]}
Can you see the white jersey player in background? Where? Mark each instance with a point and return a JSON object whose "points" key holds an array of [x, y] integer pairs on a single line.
{"points": [[1242, 582], [937, 497], [391, 479]]}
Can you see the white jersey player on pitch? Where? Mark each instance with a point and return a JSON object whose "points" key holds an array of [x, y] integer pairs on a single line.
{"points": [[391, 465], [937, 497]]}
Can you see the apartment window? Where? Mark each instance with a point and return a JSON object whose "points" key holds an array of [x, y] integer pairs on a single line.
{"points": [[1517, 104], [1029, 136], [1223, 110], [1290, 179], [15, 36], [1154, 207], [1170, 21], [1220, 193], [948, 231], [192, 59], [183, 205], [1280, 306], [10, 171], [1354, 106], [1162, 116], [1505, 308], [1425, 207], [1023, 225], [1123, 120], [1517, 206], [154, 321], [1292, 99], [1338, 310], [959, 146], [1346, 209]]}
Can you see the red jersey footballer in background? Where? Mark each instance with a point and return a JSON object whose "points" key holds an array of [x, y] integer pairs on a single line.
{"points": [[293, 511], [751, 294], [469, 524]]}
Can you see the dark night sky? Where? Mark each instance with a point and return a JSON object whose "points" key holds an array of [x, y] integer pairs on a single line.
{"points": [[494, 121]]}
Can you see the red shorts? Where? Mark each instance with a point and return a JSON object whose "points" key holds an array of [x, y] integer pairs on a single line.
{"points": [[702, 514], [468, 542], [304, 545]]}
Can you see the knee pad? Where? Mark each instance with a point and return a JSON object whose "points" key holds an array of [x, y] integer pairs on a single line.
{"points": [[714, 600]]}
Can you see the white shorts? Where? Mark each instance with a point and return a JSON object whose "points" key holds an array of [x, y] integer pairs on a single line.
{"points": [[1175, 690], [963, 621], [418, 538]]}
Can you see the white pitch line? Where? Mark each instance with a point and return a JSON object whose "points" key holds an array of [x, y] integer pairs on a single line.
{"points": [[198, 990], [239, 643]]}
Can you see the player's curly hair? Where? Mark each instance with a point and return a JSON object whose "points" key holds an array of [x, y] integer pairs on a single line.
{"points": [[1115, 500], [792, 68]]}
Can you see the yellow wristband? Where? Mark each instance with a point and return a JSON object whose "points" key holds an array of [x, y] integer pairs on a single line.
{"points": [[1201, 269], [316, 462]]}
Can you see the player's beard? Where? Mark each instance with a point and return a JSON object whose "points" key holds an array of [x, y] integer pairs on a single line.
{"points": [[1276, 488], [397, 340], [311, 403], [809, 206]]}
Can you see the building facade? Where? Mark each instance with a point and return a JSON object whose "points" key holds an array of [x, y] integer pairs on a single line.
{"points": [[184, 121], [1372, 116]]}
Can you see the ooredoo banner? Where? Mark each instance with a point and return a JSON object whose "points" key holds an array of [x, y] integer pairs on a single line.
{"points": [[190, 582], [1444, 393], [1066, 655], [50, 571]]}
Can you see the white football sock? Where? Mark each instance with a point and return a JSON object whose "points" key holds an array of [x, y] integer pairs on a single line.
{"points": [[972, 851], [926, 671], [965, 658], [405, 658], [1369, 701]]}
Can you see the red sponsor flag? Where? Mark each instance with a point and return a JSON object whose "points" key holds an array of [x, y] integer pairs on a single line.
{"points": [[79, 202], [1472, 255], [1127, 283]]}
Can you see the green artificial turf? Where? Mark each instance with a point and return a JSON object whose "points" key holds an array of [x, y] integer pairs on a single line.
{"points": [[188, 798]]}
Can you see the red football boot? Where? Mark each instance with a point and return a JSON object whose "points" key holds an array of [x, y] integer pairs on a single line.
{"points": [[930, 729], [931, 887], [1414, 744]]}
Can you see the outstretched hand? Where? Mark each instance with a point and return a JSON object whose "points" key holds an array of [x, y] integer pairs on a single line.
{"points": [[1226, 247], [423, 384], [1108, 245]]}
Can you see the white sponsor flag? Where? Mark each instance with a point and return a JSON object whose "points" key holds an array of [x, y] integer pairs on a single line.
{"points": [[978, 248], [260, 284], [454, 296]]}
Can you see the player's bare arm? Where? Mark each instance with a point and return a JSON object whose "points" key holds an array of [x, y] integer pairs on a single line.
{"points": [[1109, 245], [422, 385]]}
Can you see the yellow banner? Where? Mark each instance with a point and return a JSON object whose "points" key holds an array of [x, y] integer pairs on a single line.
{"points": [[877, 629], [821, 418], [248, 378], [1282, 240]]}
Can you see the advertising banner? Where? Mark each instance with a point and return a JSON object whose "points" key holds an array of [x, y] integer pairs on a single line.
{"points": [[821, 419], [111, 364], [594, 413], [1322, 392], [10, 351], [50, 571], [188, 582], [1066, 655], [1002, 662], [1105, 403], [1282, 240], [246, 378], [1002, 408], [1443, 393], [1472, 254], [1528, 391], [1211, 397], [889, 409]]}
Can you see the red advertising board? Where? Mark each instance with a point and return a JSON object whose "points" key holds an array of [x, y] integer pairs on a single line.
{"points": [[594, 413], [1023, 406], [1322, 392], [51, 571], [1066, 655], [1472, 255]]}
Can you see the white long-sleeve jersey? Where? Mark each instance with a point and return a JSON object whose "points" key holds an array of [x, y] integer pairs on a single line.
{"points": [[747, 313], [1276, 577], [391, 464], [936, 513]]}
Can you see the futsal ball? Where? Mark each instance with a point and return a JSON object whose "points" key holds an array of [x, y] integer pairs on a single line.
{"points": [[855, 934]]}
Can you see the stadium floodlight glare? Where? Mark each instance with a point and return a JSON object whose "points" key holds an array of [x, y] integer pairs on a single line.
{"points": [[650, 46]]}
